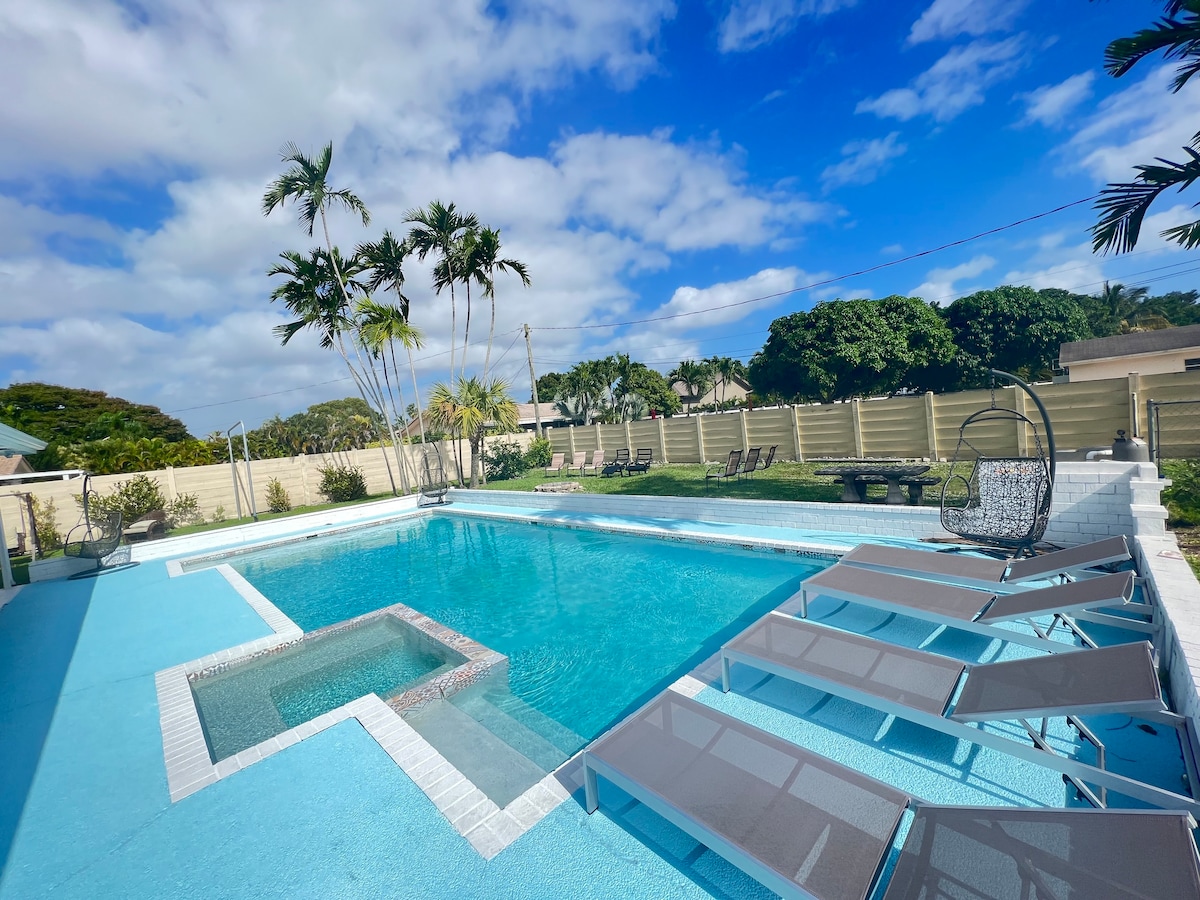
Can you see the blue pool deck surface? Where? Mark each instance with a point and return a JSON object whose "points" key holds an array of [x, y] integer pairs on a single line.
{"points": [[85, 809]]}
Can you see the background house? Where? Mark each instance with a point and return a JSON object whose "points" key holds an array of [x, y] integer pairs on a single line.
{"points": [[1144, 352], [737, 389]]}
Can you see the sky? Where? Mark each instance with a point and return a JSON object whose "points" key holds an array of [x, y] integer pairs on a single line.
{"points": [[674, 175]]}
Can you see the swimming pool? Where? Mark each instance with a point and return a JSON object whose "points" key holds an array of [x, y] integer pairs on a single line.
{"points": [[591, 622]]}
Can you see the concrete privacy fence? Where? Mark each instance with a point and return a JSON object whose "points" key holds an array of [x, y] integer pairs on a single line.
{"points": [[213, 485], [1084, 414]]}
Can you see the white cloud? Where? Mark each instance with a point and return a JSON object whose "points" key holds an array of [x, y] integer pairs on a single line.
{"points": [[216, 85], [1051, 103], [1136, 125], [1058, 264], [939, 284], [955, 83], [863, 161], [950, 18], [751, 23]]}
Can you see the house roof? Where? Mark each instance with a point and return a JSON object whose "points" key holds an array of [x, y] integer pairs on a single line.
{"points": [[550, 413], [14, 465], [681, 389], [1140, 342]]}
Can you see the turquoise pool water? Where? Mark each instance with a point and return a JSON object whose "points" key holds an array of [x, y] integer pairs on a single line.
{"points": [[592, 622], [250, 703]]}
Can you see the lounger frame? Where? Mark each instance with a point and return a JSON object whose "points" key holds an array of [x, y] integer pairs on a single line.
{"points": [[1040, 753]]}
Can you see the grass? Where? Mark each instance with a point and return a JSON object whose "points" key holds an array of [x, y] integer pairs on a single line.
{"points": [[783, 481], [267, 516]]}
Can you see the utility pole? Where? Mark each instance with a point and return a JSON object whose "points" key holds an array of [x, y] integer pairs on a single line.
{"points": [[537, 411]]}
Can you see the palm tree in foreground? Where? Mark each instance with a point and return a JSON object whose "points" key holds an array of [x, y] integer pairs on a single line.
{"points": [[468, 408]]}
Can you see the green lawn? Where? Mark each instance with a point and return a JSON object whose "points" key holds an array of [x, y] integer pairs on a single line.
{"points": [[266, 516], [783, 481]]}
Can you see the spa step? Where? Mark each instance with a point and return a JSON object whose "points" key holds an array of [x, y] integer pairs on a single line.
{"points": [[497, 768]]}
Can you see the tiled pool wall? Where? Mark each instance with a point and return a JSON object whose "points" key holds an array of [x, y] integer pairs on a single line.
{"points": [[1091, 500]]}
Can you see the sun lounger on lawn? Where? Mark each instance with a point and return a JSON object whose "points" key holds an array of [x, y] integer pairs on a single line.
{"points": [[645, 456], [557, 461], [617, 466], [984, 571], [944, 694], [578, 461], [968, 609], [731, 469], [805, 826], [596, 464]]}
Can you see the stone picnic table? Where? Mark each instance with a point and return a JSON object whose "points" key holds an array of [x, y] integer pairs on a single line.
{"points": [[856, 476]]}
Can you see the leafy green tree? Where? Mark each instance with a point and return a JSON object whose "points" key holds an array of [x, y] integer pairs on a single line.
{"points": [[467, 410], [437, 229], [1123, 206], [652, 389], [696, 378], [63, 416], [852, 348], [1177, 307], [1014, 329], [548, 387]]}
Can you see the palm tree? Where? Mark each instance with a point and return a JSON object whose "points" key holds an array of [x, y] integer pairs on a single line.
{"points": [[380, 327], [437, 228], [306, 182], [725, 369], [487, 251], [1116, 309], [465, 268], [1123, 206], [468, 408], [696, 378], [384, 261]]}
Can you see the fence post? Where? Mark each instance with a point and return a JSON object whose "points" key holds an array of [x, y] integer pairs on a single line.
{"points": [[700, 438], [799, 454], [571, 438], [1022, 436], [1135, 384], [172, 491], [307, 500], [931, 426], [599, 438], [745, 428], [856, 423], [662, 438], [628, 440], [1152, 436]]}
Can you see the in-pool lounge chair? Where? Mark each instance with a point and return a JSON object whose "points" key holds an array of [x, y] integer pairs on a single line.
{"points": [[986, 572], [944, 694], [807, 827], [968, 609]]}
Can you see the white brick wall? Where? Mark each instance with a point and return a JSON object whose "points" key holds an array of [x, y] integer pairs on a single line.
{"points": [[1094, 500]]}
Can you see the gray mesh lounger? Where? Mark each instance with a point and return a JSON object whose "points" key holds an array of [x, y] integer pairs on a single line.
{"points": [[943, 694], [965, 608], [985, 572], [805, 826], [1047, 854]]}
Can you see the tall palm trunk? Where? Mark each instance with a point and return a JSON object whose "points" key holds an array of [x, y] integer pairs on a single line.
{"points": [[416, 392], [466, 333], [487, 356]]}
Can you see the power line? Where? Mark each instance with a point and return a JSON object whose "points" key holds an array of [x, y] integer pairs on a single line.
{"points": [[816, 284]]}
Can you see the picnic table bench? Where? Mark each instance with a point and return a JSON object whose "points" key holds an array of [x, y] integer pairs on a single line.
{"points": [[855, 478]]}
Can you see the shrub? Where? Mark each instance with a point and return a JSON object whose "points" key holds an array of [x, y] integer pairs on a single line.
{"points": [[45, 520], [341, 483], [278, 500], [1182, 498], [218, 514], [134, 498], [505, 459], [183, 510], [539, 454]]}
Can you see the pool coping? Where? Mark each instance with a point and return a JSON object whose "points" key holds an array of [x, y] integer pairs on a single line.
{"points": [[487, 827]]}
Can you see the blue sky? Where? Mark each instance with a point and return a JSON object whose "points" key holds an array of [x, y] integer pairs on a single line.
{"points": [[643, 158]]}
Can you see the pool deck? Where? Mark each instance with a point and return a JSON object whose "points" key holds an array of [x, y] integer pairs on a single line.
{"points": [[86, 810]]}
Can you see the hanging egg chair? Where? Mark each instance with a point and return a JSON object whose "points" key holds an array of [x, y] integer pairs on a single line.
{"points": [[1007, 498]]}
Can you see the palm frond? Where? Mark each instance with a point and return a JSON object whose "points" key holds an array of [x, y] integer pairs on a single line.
{"points": [[1187, 236], [1123, 206], [1179, 38]]}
